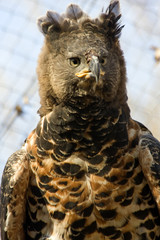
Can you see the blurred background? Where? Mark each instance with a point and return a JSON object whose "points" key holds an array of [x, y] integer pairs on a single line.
{"points": [[20, 44]]}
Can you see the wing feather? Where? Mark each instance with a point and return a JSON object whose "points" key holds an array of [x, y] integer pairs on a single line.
{"points": [[150, 163], [13, 196]]}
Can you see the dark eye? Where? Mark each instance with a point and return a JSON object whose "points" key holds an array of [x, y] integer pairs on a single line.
{"points": [[103, 60], [74, 62]]}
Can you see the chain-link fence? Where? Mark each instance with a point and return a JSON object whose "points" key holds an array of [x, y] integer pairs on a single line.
{"points": [[21, 43]]}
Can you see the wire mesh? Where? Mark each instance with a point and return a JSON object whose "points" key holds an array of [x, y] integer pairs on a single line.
{"points": [[21, 43]]}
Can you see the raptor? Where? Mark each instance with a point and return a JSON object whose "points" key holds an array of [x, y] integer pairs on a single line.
{"points": [[88, 171]]}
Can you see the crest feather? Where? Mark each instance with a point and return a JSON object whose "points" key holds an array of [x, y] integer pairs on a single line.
{"points": [[114, 7], [74, 18], [74, 12], [51, 18], [54, 17], [109, 20]]}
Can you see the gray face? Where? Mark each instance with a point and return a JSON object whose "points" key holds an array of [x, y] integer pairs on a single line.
{"points": [[65, 62]]}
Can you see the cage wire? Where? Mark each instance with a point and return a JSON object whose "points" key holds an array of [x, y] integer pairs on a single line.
{"points": [[21, 43]]}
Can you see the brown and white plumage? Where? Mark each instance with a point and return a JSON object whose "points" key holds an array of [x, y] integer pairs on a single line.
{"points": [[88, 170]]}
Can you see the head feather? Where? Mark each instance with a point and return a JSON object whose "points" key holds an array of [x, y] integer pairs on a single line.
{"points": [[109, 20], [54, 17], [114, 7], [73, 12], [74, 18]]}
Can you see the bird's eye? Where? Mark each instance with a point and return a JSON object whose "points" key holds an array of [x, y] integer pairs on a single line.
{"points": [[103, 60], [74, 62]]}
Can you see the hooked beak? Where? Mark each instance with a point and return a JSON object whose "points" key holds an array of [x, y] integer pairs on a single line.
{"points": [[93, 71]]}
